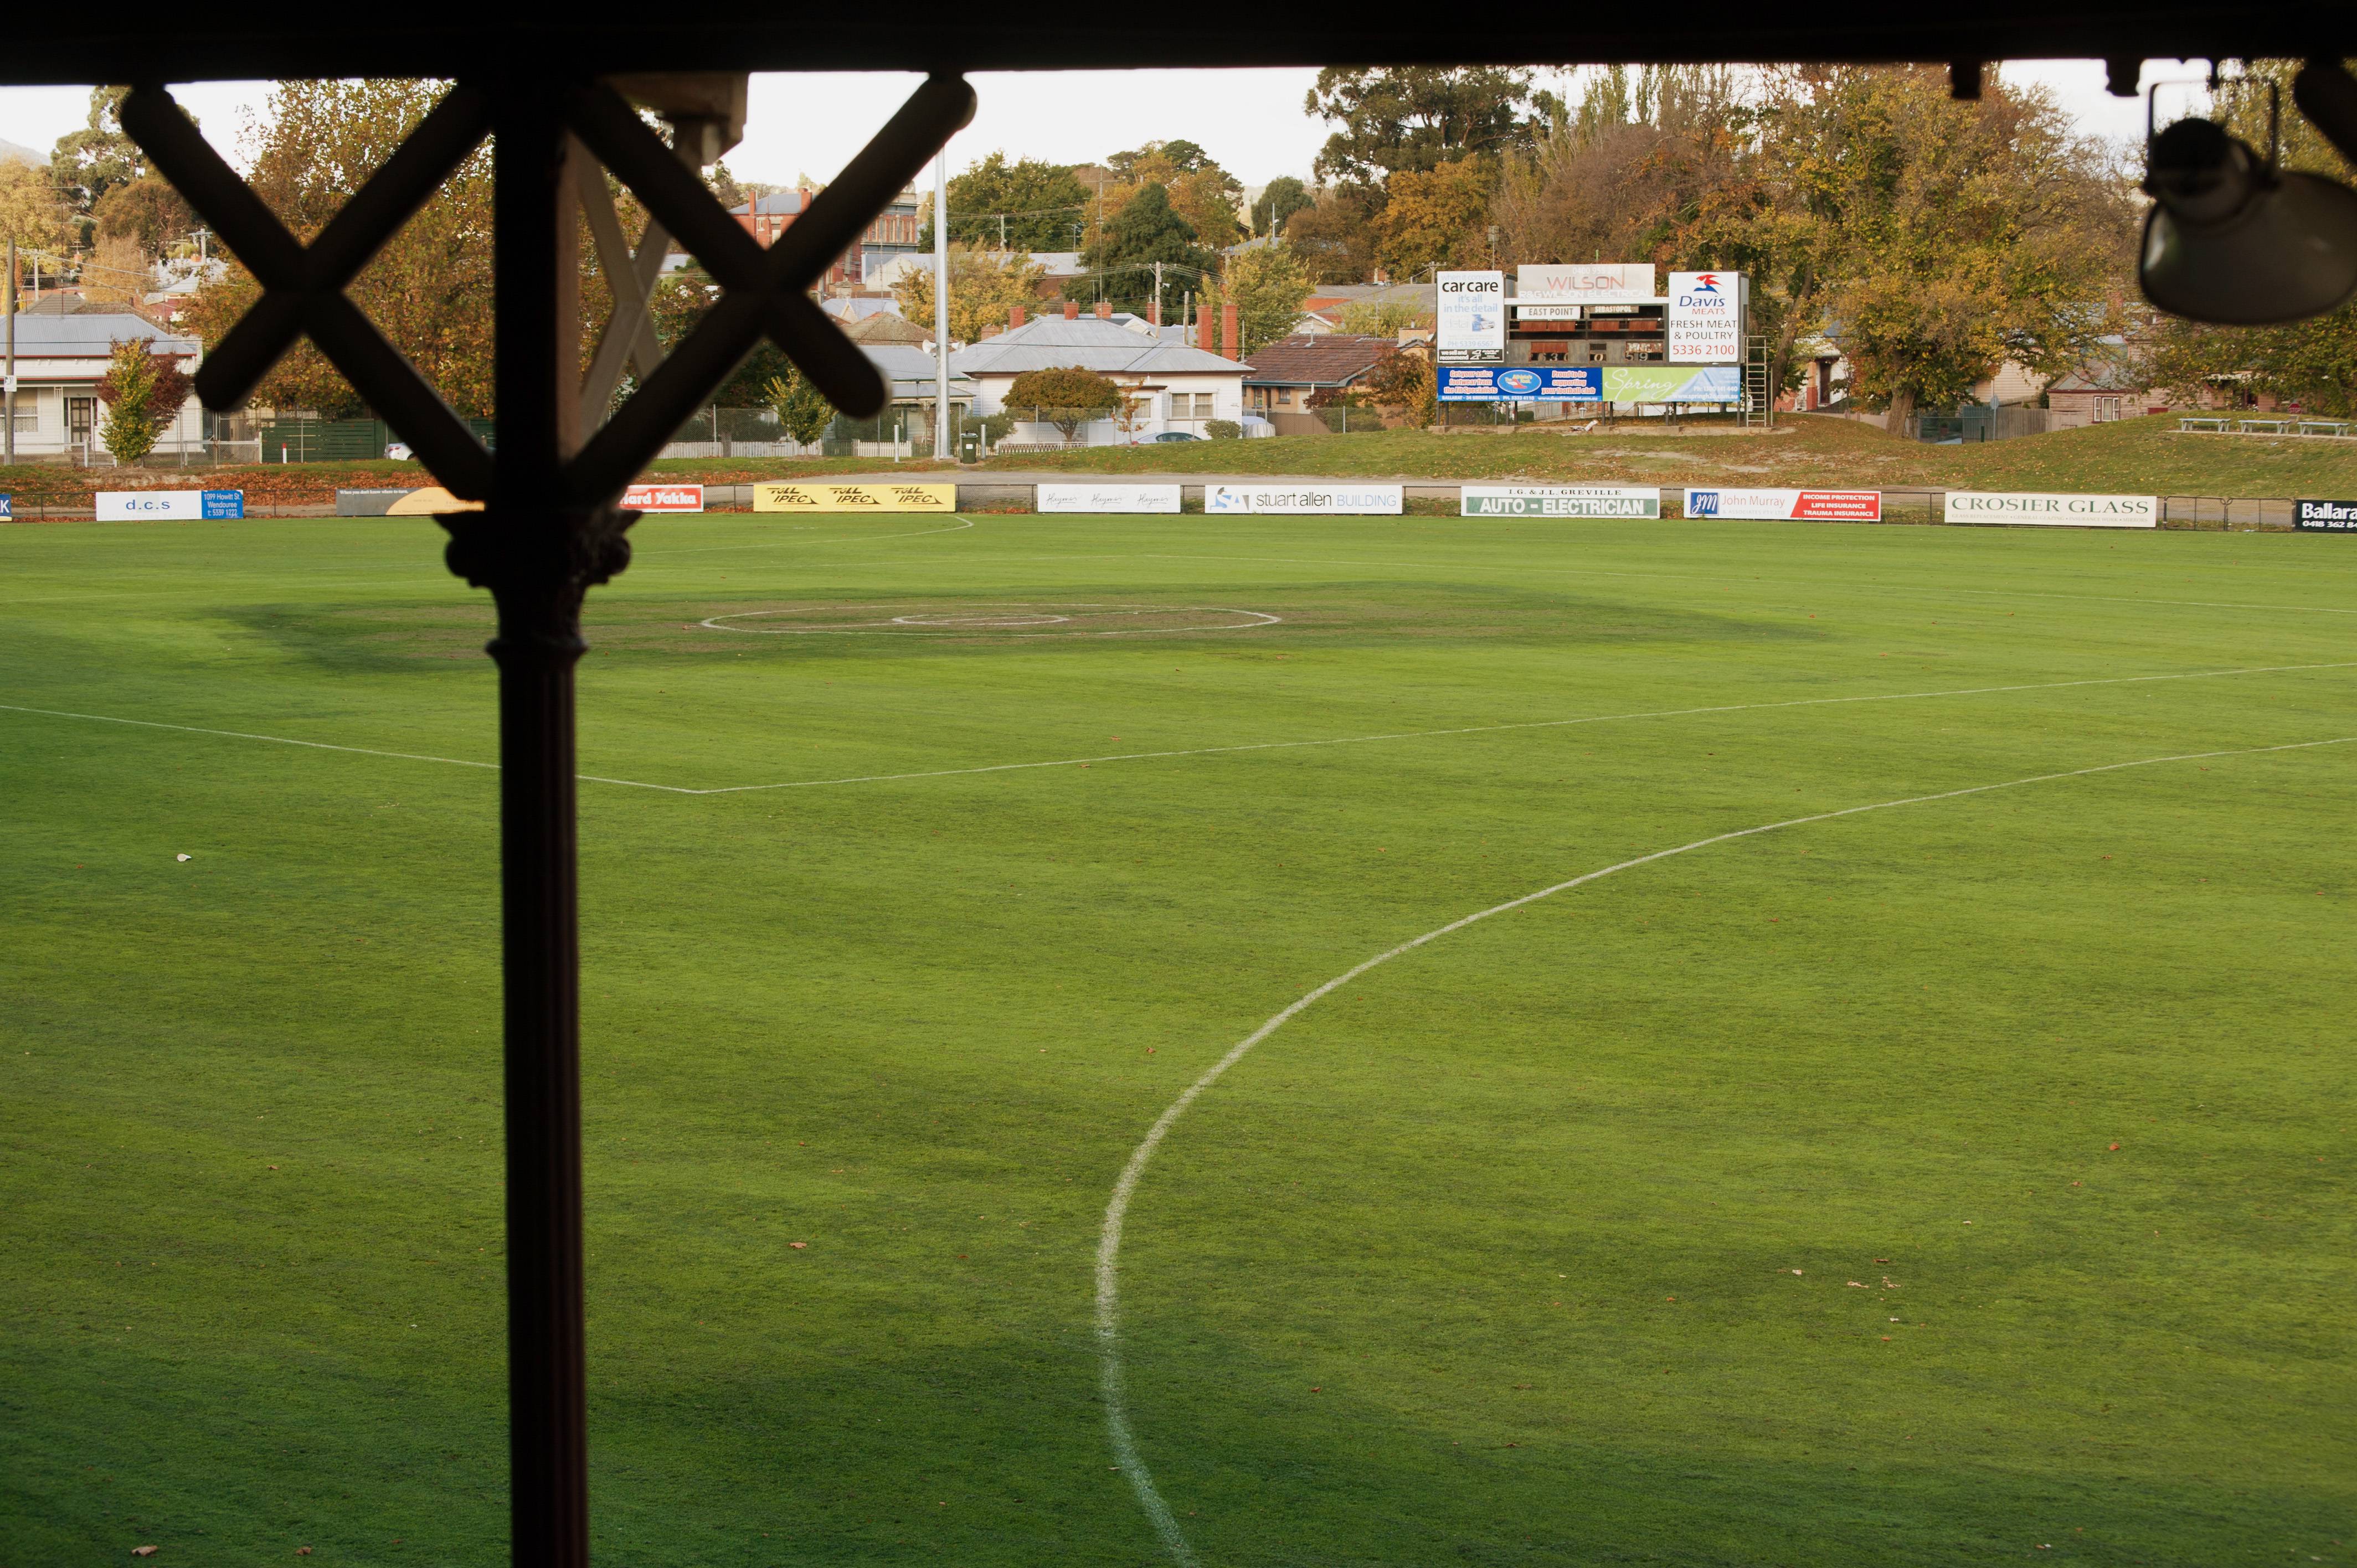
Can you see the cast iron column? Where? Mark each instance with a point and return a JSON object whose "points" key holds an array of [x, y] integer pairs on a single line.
{"points": [[538, 554]]}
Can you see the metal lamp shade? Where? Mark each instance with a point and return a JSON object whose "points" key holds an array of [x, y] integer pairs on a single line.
{"points": [[2287, 253]]}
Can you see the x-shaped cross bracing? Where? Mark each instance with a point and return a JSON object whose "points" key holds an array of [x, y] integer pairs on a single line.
{"points": [[763, 292]]}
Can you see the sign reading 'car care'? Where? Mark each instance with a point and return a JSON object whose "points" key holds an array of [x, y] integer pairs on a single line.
{"points": [[2053, 509], [663, 498], [1109, 498], [1558, 500], [1824, 506], [1472, 317], [2308, 517], [854, 497], [176, 506], [1383, 500]]}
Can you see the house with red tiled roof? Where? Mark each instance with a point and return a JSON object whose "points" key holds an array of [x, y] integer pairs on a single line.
{"points": [[1284, 375]]}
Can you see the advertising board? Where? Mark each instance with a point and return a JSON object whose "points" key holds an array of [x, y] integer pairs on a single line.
{"points": [[1472, 318], [1706, 319], [663, 498], [2308, 517], [1523, 310], [2053, 509], [139, 506], [1833, 506], [7, 508], [1596, 283], [1511, 383], [1109, 498], [1672, 383], [1559, 500], [937, 498], [1376, 500]]}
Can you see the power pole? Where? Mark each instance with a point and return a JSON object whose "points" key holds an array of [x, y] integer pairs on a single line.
{"points": [[940, 305], [1157, 294]]}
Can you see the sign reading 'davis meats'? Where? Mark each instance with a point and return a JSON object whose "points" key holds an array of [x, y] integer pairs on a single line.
{"points": [[1558, 500], [1371, 501], [2054, 509], [1596, 283], [663, 498], [2308, 517], [178, 506], [1472, 318], [940, 499], [1706, 319], [1510, 383], [1829, 506], [1109, 498]]}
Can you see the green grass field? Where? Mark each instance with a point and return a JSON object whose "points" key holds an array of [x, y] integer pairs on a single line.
{"points": [[1753, 1206]]}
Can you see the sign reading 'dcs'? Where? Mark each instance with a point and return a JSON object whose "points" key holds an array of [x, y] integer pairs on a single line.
{"points": [[940, 499], [138, 506]]}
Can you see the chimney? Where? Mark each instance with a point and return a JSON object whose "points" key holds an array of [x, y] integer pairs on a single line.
{"points": [[1228, 333], [1104, 310], [1014, 316], [1203, 326], [1071, 310]]}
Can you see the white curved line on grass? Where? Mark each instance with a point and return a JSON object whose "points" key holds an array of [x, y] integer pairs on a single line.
{"points": [[1528, 723], [902, 626], [1206, 750], [1108, 1268]]}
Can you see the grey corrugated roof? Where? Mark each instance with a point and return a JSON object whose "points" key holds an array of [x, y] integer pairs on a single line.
{"points": [[88, 333], [1087, 344], [906, 365]]}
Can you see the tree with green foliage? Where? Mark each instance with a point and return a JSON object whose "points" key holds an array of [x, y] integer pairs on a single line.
{"points": [[146, 211], [1383, 318], [1269, 286], [1022, 206], [1415, 118], [87, 164], [1066, 398], [1279, 200], [985, 288], [1401, 384], [1334, 236], [144, 392], [802, 410], [684, 298], [1146, 230]]}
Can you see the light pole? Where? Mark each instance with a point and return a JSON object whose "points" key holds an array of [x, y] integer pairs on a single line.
{"points": [[941, 303]]}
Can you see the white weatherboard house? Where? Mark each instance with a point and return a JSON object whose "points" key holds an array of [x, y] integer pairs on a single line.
{"points": [[1180, 388], [59, 359]]}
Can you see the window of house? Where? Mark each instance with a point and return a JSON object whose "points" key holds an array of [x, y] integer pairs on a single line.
{"points": [[24, 415], [1202, 405]]}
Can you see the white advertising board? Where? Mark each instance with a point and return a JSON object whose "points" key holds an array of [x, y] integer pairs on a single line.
{"points": [[1706, 319], [1109, 498], [137, 506], [1378, 500], [1472, 325], [1834, 506], [1595, 282], [1559, 500], [2053, 509]]}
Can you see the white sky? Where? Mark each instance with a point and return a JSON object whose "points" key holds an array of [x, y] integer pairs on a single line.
{"points": [[1251, 120]]}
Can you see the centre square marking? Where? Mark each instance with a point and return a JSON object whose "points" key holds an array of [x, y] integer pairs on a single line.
{"points": [[1020, 620]]}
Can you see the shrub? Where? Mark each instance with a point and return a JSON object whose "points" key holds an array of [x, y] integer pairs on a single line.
{"points": [[1223, 429]]}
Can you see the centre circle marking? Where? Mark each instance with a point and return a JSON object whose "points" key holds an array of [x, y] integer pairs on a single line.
{"points": [[1008, 621]]}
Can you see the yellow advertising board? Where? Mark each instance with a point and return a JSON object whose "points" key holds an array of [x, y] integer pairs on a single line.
{"points": [[823, 496]]}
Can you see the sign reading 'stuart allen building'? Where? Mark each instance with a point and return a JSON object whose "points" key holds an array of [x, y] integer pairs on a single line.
{"points": [[2053, 509]]}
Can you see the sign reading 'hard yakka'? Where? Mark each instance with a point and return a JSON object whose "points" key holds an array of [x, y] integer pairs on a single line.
{"points": [[1559, 500], [2053, 509], [663, 498]]}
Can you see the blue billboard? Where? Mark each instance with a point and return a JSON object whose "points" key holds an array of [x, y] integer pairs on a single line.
{"points": [[1522, 383]]}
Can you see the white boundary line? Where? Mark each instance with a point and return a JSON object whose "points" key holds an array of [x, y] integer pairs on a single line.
{"points": [[902, 628], [962, 521], [1214, 750], [1108, 1266]]}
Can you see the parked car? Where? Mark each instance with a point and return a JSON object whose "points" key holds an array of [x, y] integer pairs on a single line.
{"points": [[399, 451], [1179, 436]]}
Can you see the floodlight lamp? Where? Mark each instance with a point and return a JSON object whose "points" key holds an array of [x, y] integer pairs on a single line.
{"points": [[2233, 241]]}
